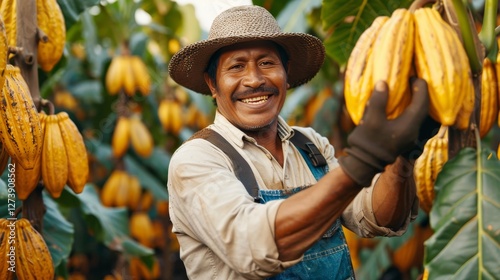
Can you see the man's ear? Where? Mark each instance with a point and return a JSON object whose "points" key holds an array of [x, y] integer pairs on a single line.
{"points": [[211, 84]]}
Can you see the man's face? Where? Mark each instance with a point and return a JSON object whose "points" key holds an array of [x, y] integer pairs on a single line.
{"points": [[251, 85]]}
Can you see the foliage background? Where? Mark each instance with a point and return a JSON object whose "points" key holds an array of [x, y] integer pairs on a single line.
{"points": [[92, 241]]}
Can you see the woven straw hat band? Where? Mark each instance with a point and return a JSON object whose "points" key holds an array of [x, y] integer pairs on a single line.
{"points": [[244, 22]]}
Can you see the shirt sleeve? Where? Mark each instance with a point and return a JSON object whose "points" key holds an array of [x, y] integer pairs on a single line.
{"points": [[211, 205], [359, 216]]}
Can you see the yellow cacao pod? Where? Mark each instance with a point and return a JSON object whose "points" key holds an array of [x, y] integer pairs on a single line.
{"points": [[428, 166], [116, 74], [51, 21], [129, 83], [134, 192], [30, 242], [120, 140], [489, 98], [141, 229], [117, 181], [20, 128], [358, 75], [170, 115], [140, 137], [140, 75], [26, 180], [8, 13], [393, 58], [78, 164], [54, 158], [441, 60], [8, 253]]}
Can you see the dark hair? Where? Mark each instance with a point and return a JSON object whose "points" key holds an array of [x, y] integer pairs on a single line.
{"points": [[211, 69]]}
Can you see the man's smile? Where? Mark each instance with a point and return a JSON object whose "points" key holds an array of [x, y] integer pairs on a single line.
{"points": [[255, 100]]}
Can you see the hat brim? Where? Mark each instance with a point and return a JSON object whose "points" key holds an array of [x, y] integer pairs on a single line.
{"points": [[306, 54]]}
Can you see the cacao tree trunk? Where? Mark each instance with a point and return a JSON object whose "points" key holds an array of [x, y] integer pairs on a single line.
{"points": [[26, 59]]}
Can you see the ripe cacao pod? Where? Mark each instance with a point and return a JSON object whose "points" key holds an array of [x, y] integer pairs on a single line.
{"points": [[489, 98], [140, 137], [54, 158], [441, 60], [120, 140], [358, 75], [428, 166], [141, 228], [7, 255], [170, 115], [78, 164], [33, 256], [20, 129], [50, 20]]}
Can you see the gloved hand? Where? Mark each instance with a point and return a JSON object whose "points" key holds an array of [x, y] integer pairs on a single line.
{"points": [[377, 141]]}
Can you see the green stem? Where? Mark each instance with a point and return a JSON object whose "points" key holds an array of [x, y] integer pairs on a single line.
{"points": [[468, 40], [487, 34]]}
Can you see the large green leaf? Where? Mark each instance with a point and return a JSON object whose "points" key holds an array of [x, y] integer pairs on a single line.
{"points": [[57, 231], [110, 225], [73, 8], [466, 242], [347, 19]]}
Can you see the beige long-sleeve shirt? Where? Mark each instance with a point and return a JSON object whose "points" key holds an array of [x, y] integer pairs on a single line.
{"points": [[223, 234]]}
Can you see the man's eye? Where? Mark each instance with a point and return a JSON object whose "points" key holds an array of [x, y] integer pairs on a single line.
{"points": [[236, 66]]}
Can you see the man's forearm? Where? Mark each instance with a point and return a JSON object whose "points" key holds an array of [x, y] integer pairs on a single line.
{"points": [[304, 217], [394, 194]]}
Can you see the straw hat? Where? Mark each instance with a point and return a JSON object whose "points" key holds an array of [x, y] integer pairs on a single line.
{"points": [[242, 24]]}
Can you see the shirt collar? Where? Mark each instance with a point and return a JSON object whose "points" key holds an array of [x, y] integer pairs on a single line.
{"points": [[222, 125]]}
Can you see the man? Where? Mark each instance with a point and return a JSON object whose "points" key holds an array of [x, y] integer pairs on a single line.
{"points": [[247, 64]]}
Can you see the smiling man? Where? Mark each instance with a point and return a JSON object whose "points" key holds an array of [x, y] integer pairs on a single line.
{"points": [[266, 200]]}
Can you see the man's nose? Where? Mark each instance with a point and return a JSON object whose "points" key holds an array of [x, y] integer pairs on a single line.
{"points": [[253, 77]]}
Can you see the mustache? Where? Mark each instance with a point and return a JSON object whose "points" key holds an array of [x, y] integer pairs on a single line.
{"points": [[262, 89]]}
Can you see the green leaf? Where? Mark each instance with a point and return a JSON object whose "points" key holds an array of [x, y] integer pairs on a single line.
{"points": [[71, 9], [466, 243], [57, 231], [158, 189], [110, 225], [348, 19]]}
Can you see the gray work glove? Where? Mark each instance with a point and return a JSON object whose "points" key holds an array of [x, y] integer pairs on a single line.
{"points": [[377, 141]]}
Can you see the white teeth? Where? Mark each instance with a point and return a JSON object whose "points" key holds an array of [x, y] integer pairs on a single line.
{"points": [[256, 100]]}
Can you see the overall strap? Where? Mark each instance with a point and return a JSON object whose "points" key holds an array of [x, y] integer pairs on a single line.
{"points": [[241, 168], [301, 141]]}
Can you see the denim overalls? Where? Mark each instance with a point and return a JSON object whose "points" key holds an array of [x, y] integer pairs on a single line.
{"points": [[329, 257]]}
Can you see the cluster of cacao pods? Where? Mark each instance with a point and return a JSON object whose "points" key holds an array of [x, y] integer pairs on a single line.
{"points": [[410, 43], [63, 159], [52, 27], [128, 73], [121, 190], [131, 130], [171, 116], [23, 250], [39, 145]]}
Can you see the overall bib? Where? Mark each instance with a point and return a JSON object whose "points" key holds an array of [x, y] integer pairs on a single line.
{"points": [[329, 257]]}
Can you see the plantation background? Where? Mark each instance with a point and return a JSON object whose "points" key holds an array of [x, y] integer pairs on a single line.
{"points": [[88, 240]]}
